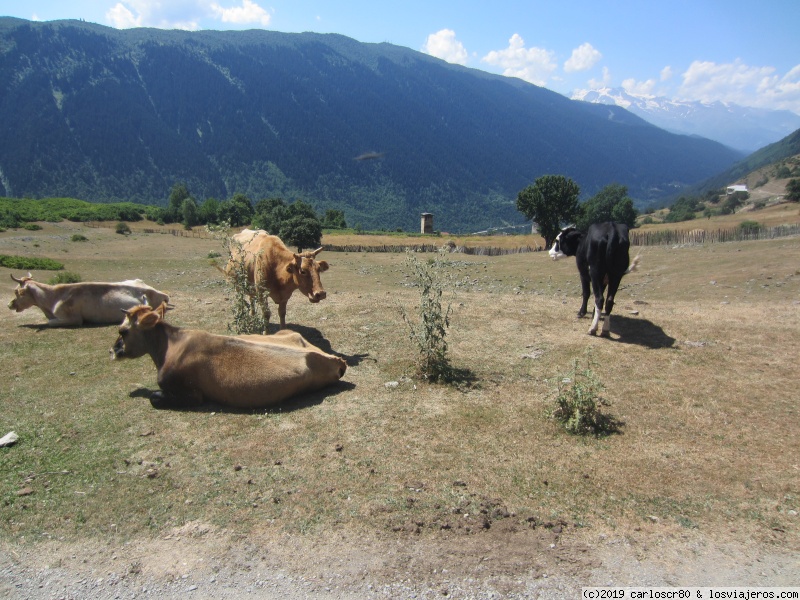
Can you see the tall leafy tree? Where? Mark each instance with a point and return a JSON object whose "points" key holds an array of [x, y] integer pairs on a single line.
{"points": [[550, 202], [177, 195], [209, 211], [301, 231], [269, 214], [609, 204], [238, 210], [190, 214], [793, 190], [334, 219]]}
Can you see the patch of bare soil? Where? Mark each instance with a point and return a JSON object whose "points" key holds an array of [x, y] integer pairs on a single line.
{"points": [[507, 561]]}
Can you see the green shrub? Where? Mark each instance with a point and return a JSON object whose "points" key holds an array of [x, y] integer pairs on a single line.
{"points": [[250, 310], [429, 333], [77, 237], [32, 226], [64, 277], [29, 263], [578, 404], [749, 227], [123, 228]]}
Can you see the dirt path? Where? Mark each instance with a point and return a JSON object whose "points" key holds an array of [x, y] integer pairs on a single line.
{"points": [[198, 562]]}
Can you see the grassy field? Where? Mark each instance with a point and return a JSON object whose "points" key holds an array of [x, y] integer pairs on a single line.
{"points": [[700, 372]]}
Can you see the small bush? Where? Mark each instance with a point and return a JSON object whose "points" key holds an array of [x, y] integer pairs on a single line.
{"points": [[578, 404], [123, 228], [64, 277], [430, 332], [29, 264], [77, 237], [250, 311], [749, 227], [32, 226]]}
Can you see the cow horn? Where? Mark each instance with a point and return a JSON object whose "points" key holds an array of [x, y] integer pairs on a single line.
{"points": [[317, 251], [21, 280]]}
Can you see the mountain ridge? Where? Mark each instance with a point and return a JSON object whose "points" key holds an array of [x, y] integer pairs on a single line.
{"points": [[744, 128], [121, 115]]}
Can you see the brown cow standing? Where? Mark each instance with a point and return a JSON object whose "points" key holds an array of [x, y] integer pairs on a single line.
{"points": [[272, 266], [73, 304], [247, 372]]}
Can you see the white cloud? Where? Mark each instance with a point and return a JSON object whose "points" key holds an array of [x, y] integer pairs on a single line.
{"points": [[121, 17], [249, 12], [184, 14], [176, 14], [534, 65], [583, 58], [604, 82], [639, 88], [666, 73], [443, 44], [742, 84]]}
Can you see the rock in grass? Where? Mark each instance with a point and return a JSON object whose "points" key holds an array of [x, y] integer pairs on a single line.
{"points": [[9, 439]]}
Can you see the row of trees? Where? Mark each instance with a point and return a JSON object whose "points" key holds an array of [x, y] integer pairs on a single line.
{"points": [[552, 201], [297, 224]]}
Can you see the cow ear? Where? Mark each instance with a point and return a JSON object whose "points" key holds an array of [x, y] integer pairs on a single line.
{"points": [[149, 320], [323, 265]]}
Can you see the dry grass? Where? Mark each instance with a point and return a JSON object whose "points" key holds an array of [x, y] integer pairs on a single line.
{"points": [[700, 371]]}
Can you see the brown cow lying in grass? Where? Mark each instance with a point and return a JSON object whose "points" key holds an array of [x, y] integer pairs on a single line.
{"points": [[74, 304], [247, 372]]}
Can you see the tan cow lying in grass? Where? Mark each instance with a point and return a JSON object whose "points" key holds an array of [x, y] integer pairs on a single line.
{"points": [[250, 371], [272, 266], [73, 304]]}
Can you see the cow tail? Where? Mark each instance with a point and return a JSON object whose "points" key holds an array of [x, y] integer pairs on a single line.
{"points": [[634, 263]]}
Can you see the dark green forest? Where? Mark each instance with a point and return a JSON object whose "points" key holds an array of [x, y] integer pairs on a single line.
{"points": [[376, 131]]}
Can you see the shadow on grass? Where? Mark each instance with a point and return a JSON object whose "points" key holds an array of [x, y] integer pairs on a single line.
{"points": [[459, 378], [299, 402], [608, 425], [44, 326], [314, 336], [640, 332]]}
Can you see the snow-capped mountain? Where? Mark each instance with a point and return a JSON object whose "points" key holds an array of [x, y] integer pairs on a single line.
{"points": [[740, 127]]}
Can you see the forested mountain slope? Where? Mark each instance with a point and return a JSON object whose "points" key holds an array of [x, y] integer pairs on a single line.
{"points": [[105, 115]]}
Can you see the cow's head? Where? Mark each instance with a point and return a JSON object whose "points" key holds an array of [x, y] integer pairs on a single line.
{"points": [[566, 243], [23, 298], [133, 333], [305, 271]]}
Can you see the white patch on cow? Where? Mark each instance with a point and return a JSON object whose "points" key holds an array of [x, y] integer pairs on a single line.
{"points": [[595, 320], [555, 252], [606, 329]]}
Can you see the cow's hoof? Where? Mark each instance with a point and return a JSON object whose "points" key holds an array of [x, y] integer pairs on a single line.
{"points": [[592, 331], [158, 400], [606, 334]]}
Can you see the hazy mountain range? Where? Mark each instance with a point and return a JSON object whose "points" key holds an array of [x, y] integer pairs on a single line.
{"points": [[380, 131], [743, 128]]}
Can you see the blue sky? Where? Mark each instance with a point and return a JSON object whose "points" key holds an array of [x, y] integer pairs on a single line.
{"points": [[708, 50]]}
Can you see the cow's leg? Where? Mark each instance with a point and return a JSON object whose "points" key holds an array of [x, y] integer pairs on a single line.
{"points": [[597, 288], [282, 313], [613, 286], [585, 283]]}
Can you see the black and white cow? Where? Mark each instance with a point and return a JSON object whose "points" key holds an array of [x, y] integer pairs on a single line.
{"points": [[602, 258]]}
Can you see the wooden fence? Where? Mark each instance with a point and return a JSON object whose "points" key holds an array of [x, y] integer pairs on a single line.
{"points": [[712, 236], [666, 237]]}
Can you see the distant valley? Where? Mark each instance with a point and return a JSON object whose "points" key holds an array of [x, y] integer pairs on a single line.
{"points": [[379, 131]]}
